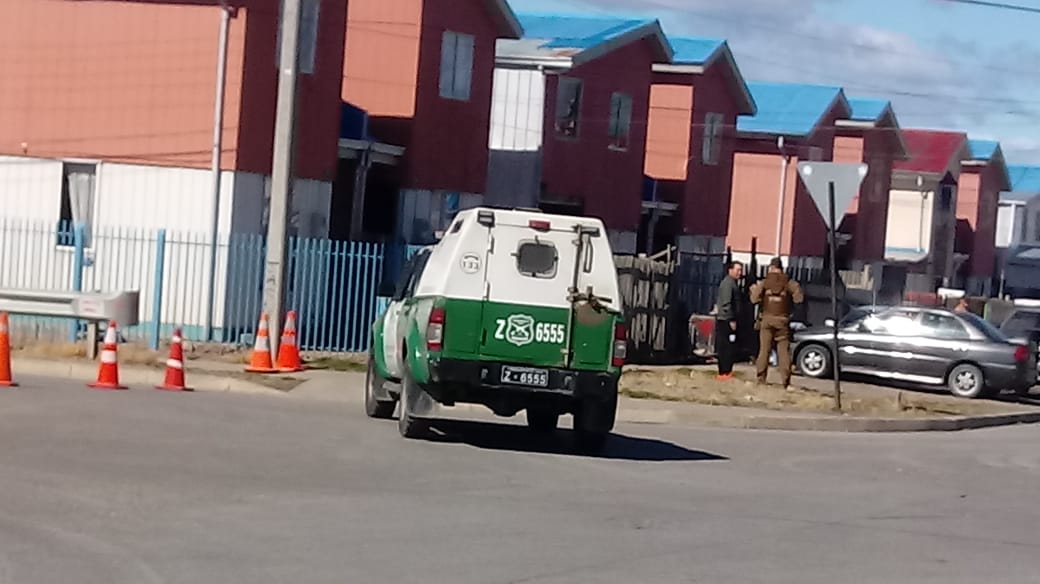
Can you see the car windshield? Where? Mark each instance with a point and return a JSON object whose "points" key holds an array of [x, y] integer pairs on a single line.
{"points": [[1021, 323], [983, 326]]}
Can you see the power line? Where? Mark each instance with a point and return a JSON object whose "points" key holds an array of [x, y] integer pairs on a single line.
{"points": [[998, 5]]}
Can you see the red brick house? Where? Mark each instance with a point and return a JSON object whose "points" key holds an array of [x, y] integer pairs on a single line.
{"points": [[694, 104], [422, 70], [132, 108], [872, 135], [983, 177], [569, 117], [769, 203]]}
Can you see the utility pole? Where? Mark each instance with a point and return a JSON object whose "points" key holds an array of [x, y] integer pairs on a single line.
{"points": [[282, 166]]}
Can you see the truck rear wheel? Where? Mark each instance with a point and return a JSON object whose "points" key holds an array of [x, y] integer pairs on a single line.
{"points": [[375, 407], [593, 421], [408, 423]]}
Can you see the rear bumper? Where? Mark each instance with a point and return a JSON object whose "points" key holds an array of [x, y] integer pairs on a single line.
{"points": [[1010, 376], [466, 380]]}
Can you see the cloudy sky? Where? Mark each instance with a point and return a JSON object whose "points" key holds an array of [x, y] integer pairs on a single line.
{"points": [[943, 65]]}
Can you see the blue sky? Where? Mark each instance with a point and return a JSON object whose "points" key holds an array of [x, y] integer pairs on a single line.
{"points": [[943, 65]]}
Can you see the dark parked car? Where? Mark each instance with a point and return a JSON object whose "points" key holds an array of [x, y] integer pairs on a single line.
{"points": [[921, 345], [1023, 326]]}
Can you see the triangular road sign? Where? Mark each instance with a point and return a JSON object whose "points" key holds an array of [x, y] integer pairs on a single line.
{"points": [[847, 177]]}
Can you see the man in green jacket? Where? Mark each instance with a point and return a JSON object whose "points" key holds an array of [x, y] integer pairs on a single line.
{"points": [[728, 308]]}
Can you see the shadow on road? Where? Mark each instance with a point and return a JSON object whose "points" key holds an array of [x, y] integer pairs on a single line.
{"points": [[493, 436]]}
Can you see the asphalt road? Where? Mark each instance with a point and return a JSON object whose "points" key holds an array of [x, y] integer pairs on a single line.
{"points": [[145, 486]]}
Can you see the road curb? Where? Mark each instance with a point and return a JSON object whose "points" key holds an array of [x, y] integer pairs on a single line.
{"points": [[859, 424], [136, 376], [805, 423]]}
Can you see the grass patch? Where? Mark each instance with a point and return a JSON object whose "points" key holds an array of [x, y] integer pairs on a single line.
{"points": [[342, 364], [700, 386]]}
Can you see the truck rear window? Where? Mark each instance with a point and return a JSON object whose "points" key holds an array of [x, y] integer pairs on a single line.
{"points": [[536, 259]]}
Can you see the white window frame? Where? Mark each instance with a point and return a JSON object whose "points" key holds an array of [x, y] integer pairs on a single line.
{"points": [[619, 129], [561, 104], [456, 80], [310, 12], [88, 207], [711, 146]]}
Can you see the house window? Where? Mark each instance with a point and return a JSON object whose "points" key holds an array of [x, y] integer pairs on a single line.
{"points": [[620, 120], [78, 191], [946, 197], [456, 65], [308, 36], [568, 107], [712, 144], [815, 154]]}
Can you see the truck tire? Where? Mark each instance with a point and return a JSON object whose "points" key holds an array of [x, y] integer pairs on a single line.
{"points": [[375, 407], [408, 423], [593, 422]]}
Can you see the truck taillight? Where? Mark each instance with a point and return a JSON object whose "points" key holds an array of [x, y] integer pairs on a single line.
{"points": [[435, 330], [620, 345], [1021, 354]]}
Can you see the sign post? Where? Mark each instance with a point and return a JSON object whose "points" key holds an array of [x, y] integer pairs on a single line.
{"points": [[832, 186]]}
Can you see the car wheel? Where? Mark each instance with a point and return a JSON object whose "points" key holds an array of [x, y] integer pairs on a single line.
{"points": [[542, 419], [814, 361], [408, 423], [375, 407], [966, 381]]}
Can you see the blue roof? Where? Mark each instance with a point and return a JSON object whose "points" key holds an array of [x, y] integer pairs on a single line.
{"points": [[567, 36], [693, 51], [983, 149], [788, 108], [576, 32], [1025, 178], [865, 109]]}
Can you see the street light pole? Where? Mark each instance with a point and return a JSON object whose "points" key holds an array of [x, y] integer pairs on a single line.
{"points": [[282, 165]]}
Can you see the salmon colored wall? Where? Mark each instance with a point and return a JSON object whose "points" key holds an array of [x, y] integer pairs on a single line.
{"points": [[449, 147], [755, 197], [143, 91], [608, 181], [382, 56], [848, 149], [669, 127], [755, 200], [977, 200]]}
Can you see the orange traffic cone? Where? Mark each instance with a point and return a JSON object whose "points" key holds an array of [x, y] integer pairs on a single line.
{"points": [[5, 353], [288, 351], [108, 372], [261, 362], [175, 366]]}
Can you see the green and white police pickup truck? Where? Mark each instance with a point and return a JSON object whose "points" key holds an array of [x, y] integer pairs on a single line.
{"points": [[512, 309]]}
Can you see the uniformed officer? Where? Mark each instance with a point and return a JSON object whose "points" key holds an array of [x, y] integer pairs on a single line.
{"points": [[775, 296]]}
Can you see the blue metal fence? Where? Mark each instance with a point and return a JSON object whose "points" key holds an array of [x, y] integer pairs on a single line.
{"points": [[333, 285]]}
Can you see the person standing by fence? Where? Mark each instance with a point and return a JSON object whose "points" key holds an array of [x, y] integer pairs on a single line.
{"points": [[727, 312], [776, 296]]}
